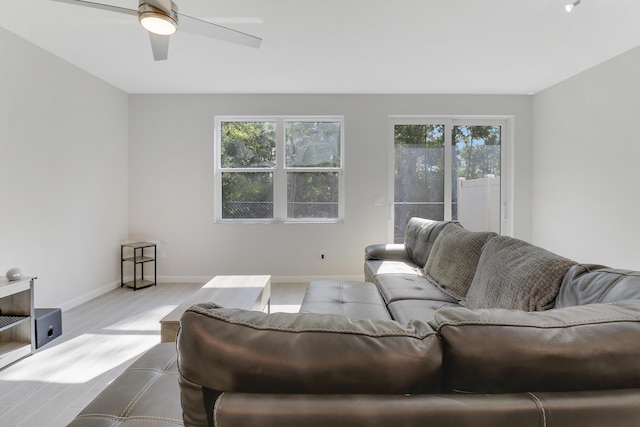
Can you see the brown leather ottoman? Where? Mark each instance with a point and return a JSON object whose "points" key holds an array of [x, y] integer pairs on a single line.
{"points": [[146, 393]]}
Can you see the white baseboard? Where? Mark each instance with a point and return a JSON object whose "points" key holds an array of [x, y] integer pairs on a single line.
{"points": [[89, 296]]}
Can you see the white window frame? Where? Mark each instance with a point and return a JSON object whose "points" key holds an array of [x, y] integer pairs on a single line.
{"points": [[279, 171], [506, 161]]}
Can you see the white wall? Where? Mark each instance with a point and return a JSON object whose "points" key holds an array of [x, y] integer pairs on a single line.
{"points": [[586, 163], [171, 195], [63, 174]]}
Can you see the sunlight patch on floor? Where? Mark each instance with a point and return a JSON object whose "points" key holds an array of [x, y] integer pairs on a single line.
{"points": [[81, 359], [146, 320], [285, 308]]}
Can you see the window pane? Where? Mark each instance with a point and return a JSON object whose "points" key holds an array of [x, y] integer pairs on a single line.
{"points": [[247, 195], [405, 211], [248, 144], [312, 195], [312, 144], [476, 174], [418, 175]]}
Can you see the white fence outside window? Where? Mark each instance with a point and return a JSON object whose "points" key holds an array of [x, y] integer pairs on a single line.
{"points": [[479, 203]]}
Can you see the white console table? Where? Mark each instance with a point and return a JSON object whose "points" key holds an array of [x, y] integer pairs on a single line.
{"points": [[17, 331]]}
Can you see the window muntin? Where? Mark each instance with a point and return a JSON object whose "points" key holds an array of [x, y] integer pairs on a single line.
{"points": [[281, 169]]}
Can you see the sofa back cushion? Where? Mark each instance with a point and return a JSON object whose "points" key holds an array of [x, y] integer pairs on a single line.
{"points": [[515, 275], [419, 238], [254, 352], [586, 347], [590, 284], [454, 257]]}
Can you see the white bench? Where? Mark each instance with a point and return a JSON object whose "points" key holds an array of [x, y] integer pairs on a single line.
{"points": [[246, 292]]}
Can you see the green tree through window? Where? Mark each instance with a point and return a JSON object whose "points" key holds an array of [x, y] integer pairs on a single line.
{"points": [[256, 184]]}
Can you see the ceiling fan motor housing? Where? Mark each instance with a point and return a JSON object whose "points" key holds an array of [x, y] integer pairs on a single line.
{"points": [[158, 16]]}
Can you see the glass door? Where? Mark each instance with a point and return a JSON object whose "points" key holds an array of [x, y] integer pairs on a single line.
{"points": [[448, 169]]}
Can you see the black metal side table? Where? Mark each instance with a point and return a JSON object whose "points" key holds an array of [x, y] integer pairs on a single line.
{"points": [[138, 258]]}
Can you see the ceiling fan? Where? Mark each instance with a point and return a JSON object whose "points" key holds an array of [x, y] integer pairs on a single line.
{"points": [[161, 19]]}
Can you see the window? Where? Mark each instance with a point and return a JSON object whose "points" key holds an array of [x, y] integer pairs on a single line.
{"points": [[450, 169], [279, 169]]}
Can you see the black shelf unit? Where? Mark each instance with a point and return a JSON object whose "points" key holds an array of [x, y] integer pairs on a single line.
{"points": [[136, 255]]}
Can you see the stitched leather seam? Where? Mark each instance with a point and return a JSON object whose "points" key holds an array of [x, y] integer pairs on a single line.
{"points": [[215, 408], [139, 395], [630, 273], [550, 326], [335, 330], [148, 418], [259, 326], [608, 288], [158, 370], [540, 406]]}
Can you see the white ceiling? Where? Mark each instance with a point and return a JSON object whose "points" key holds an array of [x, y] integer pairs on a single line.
{"points": [[341, 46]]}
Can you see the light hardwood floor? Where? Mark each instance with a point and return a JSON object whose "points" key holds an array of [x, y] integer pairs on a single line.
{"points": [[100, 339]]}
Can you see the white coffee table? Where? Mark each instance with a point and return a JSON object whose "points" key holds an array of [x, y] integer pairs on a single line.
{"points": [[246, 292]]}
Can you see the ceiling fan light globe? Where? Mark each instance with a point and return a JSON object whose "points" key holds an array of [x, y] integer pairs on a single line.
{"points": [[158, 23], [569, 7]]}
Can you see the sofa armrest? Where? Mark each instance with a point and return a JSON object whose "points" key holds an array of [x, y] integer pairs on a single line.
{"points": [[232, 350], [254, 352], [389, 251]]}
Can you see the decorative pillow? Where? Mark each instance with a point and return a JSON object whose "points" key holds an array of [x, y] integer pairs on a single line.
{"points": [[454, 257], [516, 275]]}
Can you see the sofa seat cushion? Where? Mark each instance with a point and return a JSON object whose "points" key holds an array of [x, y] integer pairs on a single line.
{"points": [[516, 275], [590, 284], [355, 300], [454, 257], [146, 393], [375, 268], [590, 347], [404, 311], [400, 287], [234, 350]]}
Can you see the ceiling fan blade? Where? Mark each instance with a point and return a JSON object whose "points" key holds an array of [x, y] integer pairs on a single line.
{"points": [[209, 29], [102, 6], [159, 46]]}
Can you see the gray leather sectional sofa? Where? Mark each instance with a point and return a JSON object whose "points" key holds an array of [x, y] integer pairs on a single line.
{"points": [[452, 328]]}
